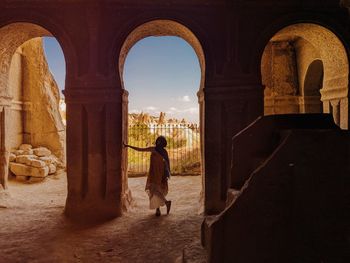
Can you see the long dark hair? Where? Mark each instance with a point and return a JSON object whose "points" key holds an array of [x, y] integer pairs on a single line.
{"points": [[161, 143]]}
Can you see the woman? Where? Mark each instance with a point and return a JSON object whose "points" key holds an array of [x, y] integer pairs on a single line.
{"points": [[159, 173]]}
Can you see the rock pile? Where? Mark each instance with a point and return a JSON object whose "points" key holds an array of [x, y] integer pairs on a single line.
{"points": [[28, 162]]}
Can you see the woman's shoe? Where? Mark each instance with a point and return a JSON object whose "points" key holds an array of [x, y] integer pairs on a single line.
{"points": [[168, 206], [158, 212]]}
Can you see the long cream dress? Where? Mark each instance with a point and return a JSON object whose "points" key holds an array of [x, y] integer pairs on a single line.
{"points": [[157, 184]]}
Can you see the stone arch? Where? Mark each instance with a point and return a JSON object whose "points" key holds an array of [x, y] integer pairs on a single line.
{"points": [[164, 27], [313, 78], [306, 42], [310, 89], [15, 35]]}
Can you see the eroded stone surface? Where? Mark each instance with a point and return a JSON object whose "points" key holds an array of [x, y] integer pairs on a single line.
{"points": [[37, 163], [45, 127], [19, 152], [47, 160], [24, 170], [38, 166], [52, 169], [25, 147], [12, 157], [25, 159], [42, 152]]}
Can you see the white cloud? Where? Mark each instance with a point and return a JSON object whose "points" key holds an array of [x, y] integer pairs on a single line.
{"points": [[151, 108], [134, 111], [192, 110], [185, 98]]}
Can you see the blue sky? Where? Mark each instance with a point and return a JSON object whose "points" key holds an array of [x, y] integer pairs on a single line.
{"points": [[160, 73], [55, 59]]}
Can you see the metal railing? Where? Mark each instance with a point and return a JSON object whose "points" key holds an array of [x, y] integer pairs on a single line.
{"points": [[183, 147]]}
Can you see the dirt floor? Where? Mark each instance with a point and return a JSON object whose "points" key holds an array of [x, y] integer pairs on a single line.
{"points": [[34, 229]]}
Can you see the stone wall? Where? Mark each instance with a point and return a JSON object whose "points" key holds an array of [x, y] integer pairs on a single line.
{"points": [[42, 122], [285, 65], [15, 137], [34, 114], [281, 86], [310, 60]]}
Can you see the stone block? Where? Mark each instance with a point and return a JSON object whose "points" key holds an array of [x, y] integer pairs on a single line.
{"points": [[28, 152], [25, 159], [12, 157], [25, 170], [42, 151], [52, 169], [19, 152], [37, 163], [25, 147], [48, 160]]}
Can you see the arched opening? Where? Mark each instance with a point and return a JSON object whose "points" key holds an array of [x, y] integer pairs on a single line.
{"points": [[305, 69], [185, 137], [312, 85], [33, 147]]}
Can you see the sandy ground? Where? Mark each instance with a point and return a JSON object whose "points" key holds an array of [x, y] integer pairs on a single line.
{"points": [[34, 229]]}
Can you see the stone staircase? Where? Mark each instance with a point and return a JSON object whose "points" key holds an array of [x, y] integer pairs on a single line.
{"points": [[289, 199]]}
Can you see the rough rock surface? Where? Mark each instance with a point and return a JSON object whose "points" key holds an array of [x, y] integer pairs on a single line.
{"points": [[42, 122], [52, 169], [38, 165], [25, 147], [47, 160], [42, 152], [12, 157], [24, 170], [25, 159]]}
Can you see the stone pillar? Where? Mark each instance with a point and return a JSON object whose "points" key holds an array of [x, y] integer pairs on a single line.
{"points": [[344, 113], [326, 106], [336, 111], [126, 193], [94, 150], [335, 100], [228, 109], [200, 95], [5, 104]]}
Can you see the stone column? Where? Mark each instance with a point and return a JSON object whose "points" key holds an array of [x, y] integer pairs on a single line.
{"points": [[334, 96], [200, 95], [5, 104], [336, 111], [326, 106], [228, 109], [344, 113], [126, 193], [94, 150]]}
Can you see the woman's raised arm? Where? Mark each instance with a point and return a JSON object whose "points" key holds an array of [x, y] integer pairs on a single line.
{"points": [[147, 149]]}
